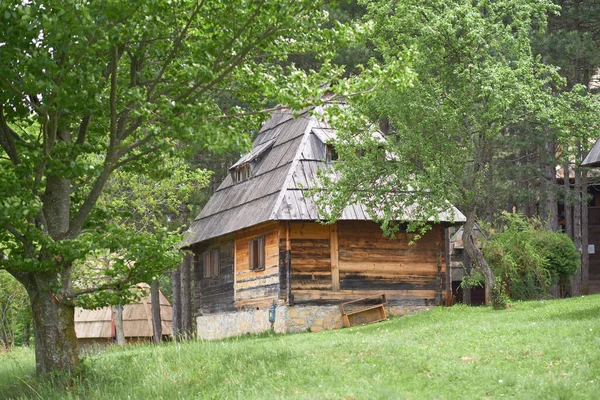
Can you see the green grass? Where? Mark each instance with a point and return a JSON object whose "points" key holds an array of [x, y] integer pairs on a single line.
{"points": [[535, 350]]}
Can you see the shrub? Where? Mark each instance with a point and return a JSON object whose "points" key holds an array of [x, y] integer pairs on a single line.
{"points": [[528, 257], [562, 258]]}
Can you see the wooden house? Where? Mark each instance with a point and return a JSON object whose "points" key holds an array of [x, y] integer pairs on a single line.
{"points": [[97, 327], [592, 160], [257, 243]]}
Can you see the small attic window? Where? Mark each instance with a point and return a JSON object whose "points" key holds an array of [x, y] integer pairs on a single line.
{"points": [[331, 154], [241, 173]]}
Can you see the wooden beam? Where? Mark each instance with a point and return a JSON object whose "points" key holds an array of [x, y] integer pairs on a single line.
{"points": [[288, 263], [334, 254]]}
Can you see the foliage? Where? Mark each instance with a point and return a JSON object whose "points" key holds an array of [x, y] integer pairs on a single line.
{"points": [[528, 257], [561, 256], [474, 83], [14, 311], [97, 96], [534, 350]]}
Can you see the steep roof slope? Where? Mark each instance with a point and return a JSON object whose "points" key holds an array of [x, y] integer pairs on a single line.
{"points": [[284, 161], [593, 157]]}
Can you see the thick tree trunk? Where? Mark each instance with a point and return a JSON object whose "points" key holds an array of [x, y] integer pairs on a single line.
{"points": [[176, 282], [56, 346], [119, 329], [477, 258], [156, 321], [186, 297], [550, 208]]}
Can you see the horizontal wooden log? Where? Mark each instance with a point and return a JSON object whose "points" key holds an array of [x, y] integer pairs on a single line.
{"points": [[397, 275], [247, 274], [308, 230], [262, 281], [262, 302], [358, 283], [257, 293], [416, 297], [408, 268], [309, 284], [387, 256]]}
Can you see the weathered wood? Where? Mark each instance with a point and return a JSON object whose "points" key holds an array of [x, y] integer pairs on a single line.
{"points": [[156, 321], [335, 268], [364, 311], [176, 303], [258, 284], [216, 294], [308, 230], [186, 296], [412, 297]]}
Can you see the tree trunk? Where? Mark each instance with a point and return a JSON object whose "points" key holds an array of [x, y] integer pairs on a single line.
{"points": [[477, 258], [56, 346], [548, 208], [186, 296], [467, 290], [568, 201], [119, 329], [156, 321], [576, 280], [176, 282]]}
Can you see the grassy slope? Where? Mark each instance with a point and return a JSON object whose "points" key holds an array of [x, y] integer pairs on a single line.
{"points": [[540, 350]]}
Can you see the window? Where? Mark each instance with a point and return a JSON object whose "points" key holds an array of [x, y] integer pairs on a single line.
{"points": [[210, 267], [242, 173], [256, 254], [331, 155]]}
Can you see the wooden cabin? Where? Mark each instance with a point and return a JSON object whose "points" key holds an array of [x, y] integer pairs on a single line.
{"points": [[257, 243], [97, 327]]}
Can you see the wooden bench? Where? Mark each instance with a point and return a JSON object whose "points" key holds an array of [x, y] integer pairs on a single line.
{"points": [[364, 311]]}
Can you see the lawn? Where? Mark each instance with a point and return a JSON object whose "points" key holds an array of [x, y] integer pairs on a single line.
{"points": [[535, 350]]}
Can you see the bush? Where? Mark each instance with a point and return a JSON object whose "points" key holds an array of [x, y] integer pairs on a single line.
{"points": [[529, 258], [562, 258]]}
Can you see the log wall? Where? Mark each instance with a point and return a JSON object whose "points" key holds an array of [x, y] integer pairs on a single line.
{"points": [[310, 256], [368, 263], [257, 288], [213, 295]]}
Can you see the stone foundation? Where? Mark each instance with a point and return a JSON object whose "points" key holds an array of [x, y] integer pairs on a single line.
{"points": [[288, 319]]}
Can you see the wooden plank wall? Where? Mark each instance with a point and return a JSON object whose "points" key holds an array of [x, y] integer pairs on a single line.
{"points": [[257, 288], [212, 295], [368, 263], [311, 263]]}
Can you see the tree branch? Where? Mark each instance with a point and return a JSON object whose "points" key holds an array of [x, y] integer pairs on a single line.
{"points": [[24, 96], [7, 139], [174, 50]]}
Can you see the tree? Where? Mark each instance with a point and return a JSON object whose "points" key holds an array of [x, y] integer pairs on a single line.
{"points": [[15, 316], [90, 88], [454, 129]]}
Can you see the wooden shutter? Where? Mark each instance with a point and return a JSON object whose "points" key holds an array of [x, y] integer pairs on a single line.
{"points": [[251, 256], [261, 252], [206, 264], [215, 264]]}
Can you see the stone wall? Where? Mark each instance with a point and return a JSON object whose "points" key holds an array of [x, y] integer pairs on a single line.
{"points": [[287, 320]]}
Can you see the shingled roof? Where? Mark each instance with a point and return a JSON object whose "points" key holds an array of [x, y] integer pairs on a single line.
{"points": [[286, 155], [593, 157]]}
